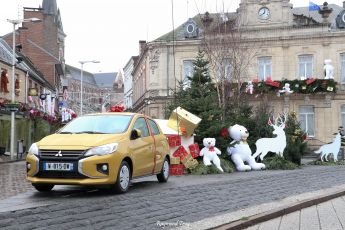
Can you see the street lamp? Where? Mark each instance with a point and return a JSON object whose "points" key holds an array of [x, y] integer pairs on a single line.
{"points": [[81, 83], [14, 23]]}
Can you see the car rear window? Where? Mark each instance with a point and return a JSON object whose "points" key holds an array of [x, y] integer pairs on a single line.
{"points": [[110, 124]]}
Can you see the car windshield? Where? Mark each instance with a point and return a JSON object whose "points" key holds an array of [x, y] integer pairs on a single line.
{"points": [[99, 124]]}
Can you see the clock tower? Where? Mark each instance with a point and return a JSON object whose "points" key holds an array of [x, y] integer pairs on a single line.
{"points": [[265, 13]]}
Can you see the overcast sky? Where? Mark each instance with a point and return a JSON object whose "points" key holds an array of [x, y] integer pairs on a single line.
{"points": [[109, 30]]}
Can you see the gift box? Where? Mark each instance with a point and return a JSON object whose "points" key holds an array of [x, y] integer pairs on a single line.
{"points": [[194, 150], [189, 162], [176, 169], [175, 160], [181, 152], [183, 121], [174, 140]]}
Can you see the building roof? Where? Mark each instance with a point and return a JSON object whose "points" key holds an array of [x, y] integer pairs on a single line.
{"points": [[75, 73], [178, 33], [304, 11], [105, 80], [49, 7]]}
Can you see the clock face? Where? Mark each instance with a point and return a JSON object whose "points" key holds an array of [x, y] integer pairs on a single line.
{"points": [[264, 13]]}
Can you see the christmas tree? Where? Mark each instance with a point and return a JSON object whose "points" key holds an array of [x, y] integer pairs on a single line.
{"points": [[198, 96]]}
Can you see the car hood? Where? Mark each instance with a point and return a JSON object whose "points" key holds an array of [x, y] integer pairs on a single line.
{"points": [[76, 141]]}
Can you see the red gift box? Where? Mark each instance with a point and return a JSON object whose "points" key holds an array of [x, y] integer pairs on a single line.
{"points": [[181, 152], [176, 169], [194, 150], [174, 140]]}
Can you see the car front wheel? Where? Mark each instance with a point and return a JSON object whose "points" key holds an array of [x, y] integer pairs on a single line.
{"points": [[43, 187], [163, 176], [123, 178]]}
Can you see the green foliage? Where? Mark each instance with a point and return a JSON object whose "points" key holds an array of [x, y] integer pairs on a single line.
{"points": [[308, 86], [202, 169], [199, 99], [279, 163], [296, 146]]}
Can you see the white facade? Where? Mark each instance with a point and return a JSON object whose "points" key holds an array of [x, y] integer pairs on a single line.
{"points": [[128, 83]]}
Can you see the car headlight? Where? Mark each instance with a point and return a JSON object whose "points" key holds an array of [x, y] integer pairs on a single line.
{"points": [[102, 150], [33, 149]]}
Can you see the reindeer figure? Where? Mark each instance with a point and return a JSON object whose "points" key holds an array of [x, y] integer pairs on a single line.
{"points": [[276, 144]]}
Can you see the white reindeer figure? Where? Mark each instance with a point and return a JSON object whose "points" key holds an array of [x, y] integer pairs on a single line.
{"points": [[276, 144]]}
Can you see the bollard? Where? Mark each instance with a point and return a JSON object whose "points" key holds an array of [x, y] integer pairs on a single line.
{"points": [[20, 149]]}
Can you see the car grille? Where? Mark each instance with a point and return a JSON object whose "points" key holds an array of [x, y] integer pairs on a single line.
{"points": [[67, 156], [61, 154], [60, 174]]}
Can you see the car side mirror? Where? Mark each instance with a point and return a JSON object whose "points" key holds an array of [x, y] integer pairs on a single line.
{"points": [[135, 134]]}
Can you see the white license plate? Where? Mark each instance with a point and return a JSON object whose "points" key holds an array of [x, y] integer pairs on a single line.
{"points": [[58, 166]]}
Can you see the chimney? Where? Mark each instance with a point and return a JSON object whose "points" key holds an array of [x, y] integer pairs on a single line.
{"points": [[142, 45]]}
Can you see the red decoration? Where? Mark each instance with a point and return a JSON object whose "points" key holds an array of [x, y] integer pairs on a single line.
{"points": [[117, 108], [224, 132], [194, 150], [4, 82], [181, 153], [255, 81], [176, 169], [272, 83], [174, 140], [309, 81]]}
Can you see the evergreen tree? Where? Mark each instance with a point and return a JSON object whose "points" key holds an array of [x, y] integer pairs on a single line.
{"points": [[198, 96], [296, 145]]}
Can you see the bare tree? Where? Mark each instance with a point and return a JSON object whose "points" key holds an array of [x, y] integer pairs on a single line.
{"points": [[230, 54]]}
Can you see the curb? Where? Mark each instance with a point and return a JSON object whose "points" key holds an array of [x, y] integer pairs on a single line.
{"points": [[11, 161], [265, 216], [252, 215]]}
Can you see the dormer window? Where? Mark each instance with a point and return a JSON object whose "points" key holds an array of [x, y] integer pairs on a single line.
{"points": [[191, 29]]}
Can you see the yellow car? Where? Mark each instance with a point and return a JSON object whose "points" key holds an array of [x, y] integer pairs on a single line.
{"points": [[100, 149]]}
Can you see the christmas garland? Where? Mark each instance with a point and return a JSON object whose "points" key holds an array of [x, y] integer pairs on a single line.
{"points": [[308, 86], [31, 112]]}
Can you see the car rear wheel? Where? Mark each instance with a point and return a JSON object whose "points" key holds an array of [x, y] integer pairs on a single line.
{"points": [[163, 176], [43, 187], [123, 179]]}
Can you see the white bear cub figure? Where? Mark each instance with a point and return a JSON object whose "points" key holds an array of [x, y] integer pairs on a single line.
{"points": [[210, 152], [241, 152]]}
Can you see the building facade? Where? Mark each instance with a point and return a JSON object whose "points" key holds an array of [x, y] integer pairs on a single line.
{"points": [[128, 82], [287, 43]]}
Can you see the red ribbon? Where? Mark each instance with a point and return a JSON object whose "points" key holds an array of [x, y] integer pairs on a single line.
{"points": [[211, 149]]}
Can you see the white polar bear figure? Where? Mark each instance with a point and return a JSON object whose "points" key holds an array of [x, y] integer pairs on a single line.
{"points": [[210, 152], [241, 152], [286, 89], [328, 69]]}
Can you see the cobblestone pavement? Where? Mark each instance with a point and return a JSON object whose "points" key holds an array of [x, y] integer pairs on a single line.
{"points": [[12, 179], [186, 199], [328, 215]]}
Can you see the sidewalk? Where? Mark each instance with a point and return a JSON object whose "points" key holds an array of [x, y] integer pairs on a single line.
{"points": [[7, 158], [322, 209]]}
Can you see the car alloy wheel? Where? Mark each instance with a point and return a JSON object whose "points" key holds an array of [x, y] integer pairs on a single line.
{"points": [[124, 177], [163, 176]]}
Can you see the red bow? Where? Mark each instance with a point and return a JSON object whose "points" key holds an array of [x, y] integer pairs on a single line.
{"points": [[211, 149]]}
